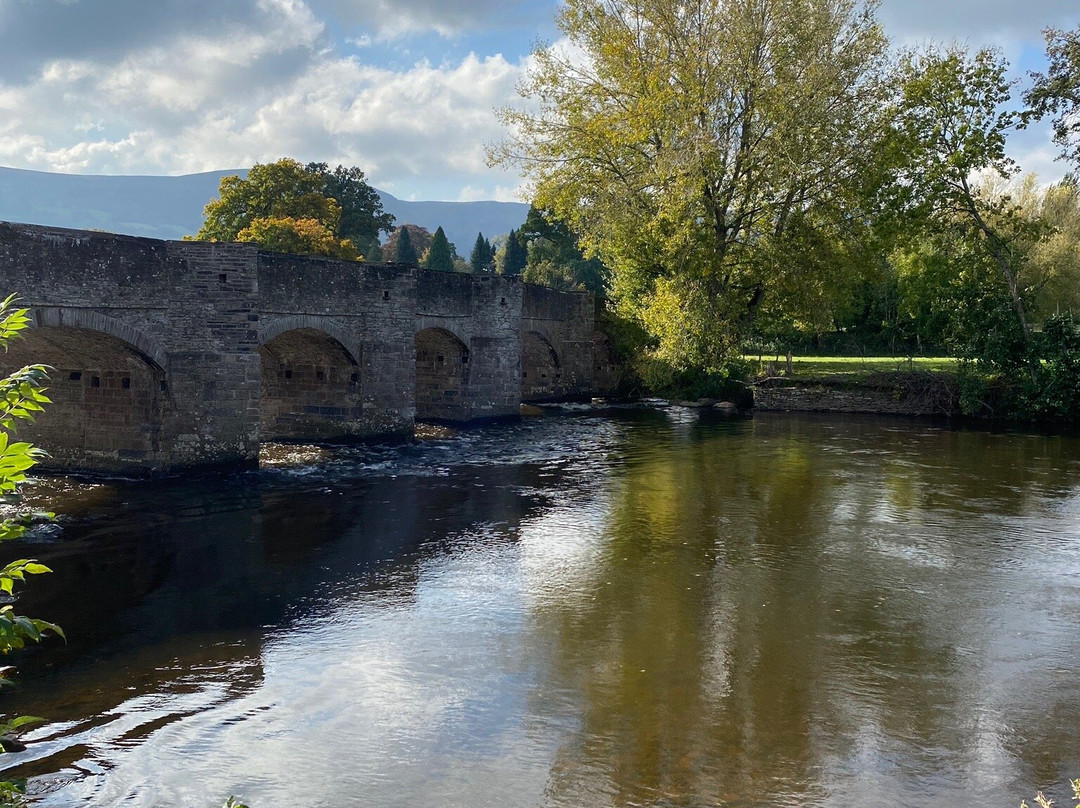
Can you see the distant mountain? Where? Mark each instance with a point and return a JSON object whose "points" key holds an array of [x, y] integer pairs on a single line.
{"points": [[171, 207]]}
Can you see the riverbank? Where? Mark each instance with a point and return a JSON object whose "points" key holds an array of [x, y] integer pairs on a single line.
{"points": [[895, 393]]}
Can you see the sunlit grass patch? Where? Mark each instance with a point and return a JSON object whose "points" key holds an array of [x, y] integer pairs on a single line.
{"points": [[850, 365]]}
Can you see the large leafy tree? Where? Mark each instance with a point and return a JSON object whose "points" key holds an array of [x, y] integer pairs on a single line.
{"points": [[1057, 92], [301, 236], [553, 257], [362, 214], [954, 118], [284, 189], [288, 206], [681, 138]]}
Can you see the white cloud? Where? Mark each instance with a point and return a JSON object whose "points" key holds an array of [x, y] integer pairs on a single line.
{"points": [[392, 19], [238, 95], [252, 80]]}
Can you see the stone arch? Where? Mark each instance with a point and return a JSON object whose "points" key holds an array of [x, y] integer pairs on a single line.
{"points": [[89, 320], [111, 399], [541, 368], [442, 376], [269, 329], [311, 384]]}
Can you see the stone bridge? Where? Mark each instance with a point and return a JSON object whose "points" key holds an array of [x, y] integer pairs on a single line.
{"points": [[173, 355]]}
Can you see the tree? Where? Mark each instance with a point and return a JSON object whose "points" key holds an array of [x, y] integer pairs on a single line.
{"points": [[482, 258], [284, 189], [263, 204], [419, 239], [440, 255], [513, 257], [680, 138], [371, 250], [405, 252], [298, 236], [954, 118], [553, 257], [1057, 91], [362, 214]]}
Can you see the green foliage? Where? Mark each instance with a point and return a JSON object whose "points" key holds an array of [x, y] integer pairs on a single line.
{"points": [[553, 257], [285, 189], [659, 377], [12, 793], [297, 236], [362, 215], [482, 257], [513, 257], [440, 254], [1057, 92], [289, 207], [681, 139], [371, 250], [954, 118], [22, 395], [404, 251]]}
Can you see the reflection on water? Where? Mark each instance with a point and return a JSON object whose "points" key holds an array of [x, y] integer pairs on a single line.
{"points": [[652, 608]]}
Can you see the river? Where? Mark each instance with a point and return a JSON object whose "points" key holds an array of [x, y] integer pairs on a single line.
{"points": [[648, 607]]}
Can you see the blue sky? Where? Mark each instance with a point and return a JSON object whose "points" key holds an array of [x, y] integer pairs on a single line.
{"points": [[404, 89]]}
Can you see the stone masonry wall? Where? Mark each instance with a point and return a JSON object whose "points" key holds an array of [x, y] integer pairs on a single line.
{"points": [[484, 313], [890, 394], [566, 321], [368, 308], [181, 355]]}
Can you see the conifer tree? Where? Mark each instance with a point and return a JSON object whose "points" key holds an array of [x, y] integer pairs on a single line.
{"points": [[405, 252], [481, 259], [440, 255], [514, 255]]}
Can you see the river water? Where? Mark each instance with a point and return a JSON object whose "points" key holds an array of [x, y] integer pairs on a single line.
{"points": [[645, 608]]}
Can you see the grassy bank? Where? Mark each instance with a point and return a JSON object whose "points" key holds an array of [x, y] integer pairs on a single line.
{"points": [[848, 366]]}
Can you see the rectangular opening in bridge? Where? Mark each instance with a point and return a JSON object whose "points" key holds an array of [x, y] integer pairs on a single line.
{"points": [[385, 294], [75, 376], [164, 386], [502, 302], [320, 375], [125, 383], [288, 374], [223, 277], [95, 381]]}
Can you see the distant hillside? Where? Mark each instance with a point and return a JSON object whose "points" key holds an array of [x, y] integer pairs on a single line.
{"points": [[171, 207]]}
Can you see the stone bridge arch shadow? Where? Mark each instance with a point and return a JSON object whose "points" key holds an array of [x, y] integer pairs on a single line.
{"points": [[110, 392], [541, 369], [442, 376], [311, 382]]}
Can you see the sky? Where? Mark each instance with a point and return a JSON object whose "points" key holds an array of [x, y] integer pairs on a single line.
{"points": [[407, 90]]}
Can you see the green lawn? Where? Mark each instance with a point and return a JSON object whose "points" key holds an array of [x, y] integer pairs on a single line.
{"points": [[852, 365]]}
